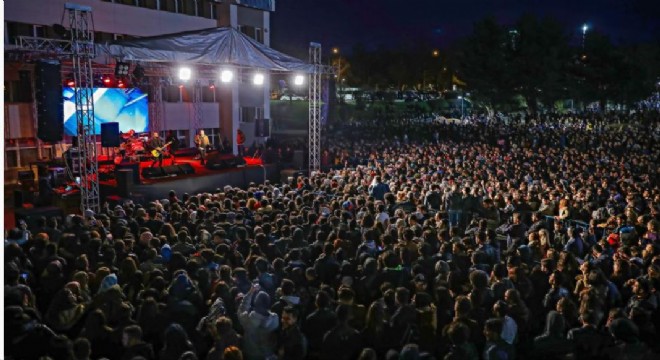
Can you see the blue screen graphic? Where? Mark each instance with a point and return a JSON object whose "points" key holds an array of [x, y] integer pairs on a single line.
{"points": [[128, 107]]}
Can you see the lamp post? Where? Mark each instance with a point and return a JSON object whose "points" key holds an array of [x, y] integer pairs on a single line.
{"points": [[585, 27], [335, 51], [461, 99]]}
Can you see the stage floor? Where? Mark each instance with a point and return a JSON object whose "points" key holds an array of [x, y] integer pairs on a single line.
{"points": [[199, 169]]}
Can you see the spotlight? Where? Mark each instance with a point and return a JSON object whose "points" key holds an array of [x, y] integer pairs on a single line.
{"points": [[299, 80], [211, 84], [70, 82], [106, 79], [185, 73], [122, 68], [258, 79], [121, 84], [226, 76]]}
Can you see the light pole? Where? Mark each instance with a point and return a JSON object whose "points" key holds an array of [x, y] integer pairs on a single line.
{"points": [[461, 99], [585, 27], [335, 51]]}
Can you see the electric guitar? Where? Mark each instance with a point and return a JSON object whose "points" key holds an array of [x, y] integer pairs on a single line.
{"points": [[158, 151]]}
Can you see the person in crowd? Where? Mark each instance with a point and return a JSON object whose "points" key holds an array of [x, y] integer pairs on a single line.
{"points": [[455, 244]]}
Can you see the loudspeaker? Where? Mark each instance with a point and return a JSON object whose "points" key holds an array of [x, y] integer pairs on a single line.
{"points": [[50, 109], [26, 175], [219, 161], [110, 134], [152, 172], [57, 176], [186, 169], [135, 166], [124, 181], [261, 128], [298, 159], [171, 170]]}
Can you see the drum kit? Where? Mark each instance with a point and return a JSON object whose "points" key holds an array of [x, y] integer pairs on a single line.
{"points": [[132, 147]]}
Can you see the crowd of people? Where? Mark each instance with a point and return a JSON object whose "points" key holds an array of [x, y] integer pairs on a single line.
{"points": [[534, 238]]}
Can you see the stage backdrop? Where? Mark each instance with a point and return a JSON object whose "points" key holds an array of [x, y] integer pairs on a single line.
{"points": [[128, 107]]}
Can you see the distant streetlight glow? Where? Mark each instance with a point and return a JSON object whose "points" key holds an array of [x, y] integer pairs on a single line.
{"points": [[185, 73], [298, 80], [585, 27], [226, 76]]}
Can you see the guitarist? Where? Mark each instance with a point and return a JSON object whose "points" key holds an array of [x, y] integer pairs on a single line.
{"points": [[156, 143], [174, 144], [202, 142]]}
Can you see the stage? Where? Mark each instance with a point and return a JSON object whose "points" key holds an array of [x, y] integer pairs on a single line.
{"points": [[203, 179]]}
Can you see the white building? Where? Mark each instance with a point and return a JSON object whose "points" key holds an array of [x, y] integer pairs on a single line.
{"points": [[222, 108]]}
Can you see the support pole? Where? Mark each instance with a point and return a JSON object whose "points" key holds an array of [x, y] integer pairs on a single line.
{"points": [[82, 46], [156, 111], [315, 108]]}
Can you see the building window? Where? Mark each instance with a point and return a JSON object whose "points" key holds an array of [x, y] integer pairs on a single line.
{"points": [[259, 35], [149, 4], [214, 135], [249, 113], [208, 94], [188, 7], [171, 93]]}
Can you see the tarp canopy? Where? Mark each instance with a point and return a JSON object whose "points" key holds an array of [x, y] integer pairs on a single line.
{"points": [[215, 46]]}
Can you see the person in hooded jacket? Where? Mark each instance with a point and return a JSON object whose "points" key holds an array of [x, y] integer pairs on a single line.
{"points": [[552, 344], [259, 324]]}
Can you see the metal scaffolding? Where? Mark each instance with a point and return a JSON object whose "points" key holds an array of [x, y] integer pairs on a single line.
{"points": [[82, 53], [197, 105], [315, 108], [156, 111]]}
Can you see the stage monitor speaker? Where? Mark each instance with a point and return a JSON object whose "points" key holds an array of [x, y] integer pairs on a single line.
{"points": [[110, 134], [124, 181], [172, 170], [50, 108], [186, 169], [152, 172], [220, 161], [261, 128]]}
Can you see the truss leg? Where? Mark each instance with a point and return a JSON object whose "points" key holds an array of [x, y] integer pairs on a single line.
{"points": [[315, 108]]}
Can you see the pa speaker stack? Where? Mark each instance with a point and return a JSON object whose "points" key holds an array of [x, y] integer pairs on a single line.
{"points": [[50, 109]]}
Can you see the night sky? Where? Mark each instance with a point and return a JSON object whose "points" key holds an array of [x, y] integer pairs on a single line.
{"points": [[374, 23]]}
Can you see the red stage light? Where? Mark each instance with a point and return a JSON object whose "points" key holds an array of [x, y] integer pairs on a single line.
{"points": [[121, 84], [107, 80], [70, 83]]}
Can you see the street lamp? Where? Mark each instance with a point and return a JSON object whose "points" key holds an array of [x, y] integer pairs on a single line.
{"points": [[585, 27], [461, 99]]}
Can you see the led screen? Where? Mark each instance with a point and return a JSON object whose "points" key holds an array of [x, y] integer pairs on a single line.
{"points": [[128, 107]]}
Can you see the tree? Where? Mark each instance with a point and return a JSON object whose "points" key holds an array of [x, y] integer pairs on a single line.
{"points": [[539, 57], [482, 60]]}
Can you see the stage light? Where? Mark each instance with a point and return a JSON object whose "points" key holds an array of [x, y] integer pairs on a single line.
{"points": [[106, 79], [211, 84], [258, 79], [185, 73], [299, 80], [226, 76], [122, 68], [120, 83], [70, 82]]}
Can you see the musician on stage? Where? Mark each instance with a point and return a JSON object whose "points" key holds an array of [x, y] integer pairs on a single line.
{"points": [[202, 142], [156, 143], [174, 145]]}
